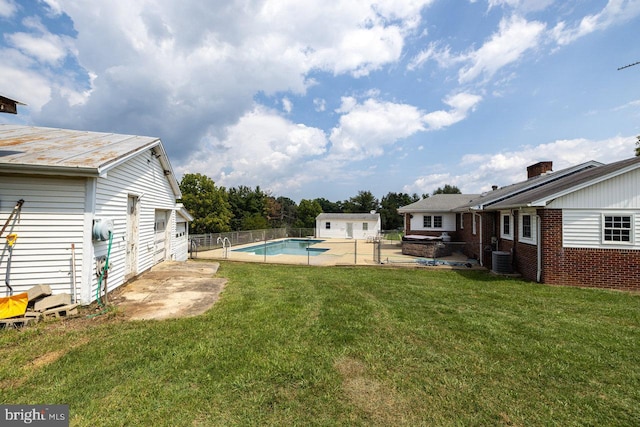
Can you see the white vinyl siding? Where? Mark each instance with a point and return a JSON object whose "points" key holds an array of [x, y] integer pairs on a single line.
{"points": [[144, 177], [436, 222], [621, 193], [584, 229], [51, 220], [337, 228]]}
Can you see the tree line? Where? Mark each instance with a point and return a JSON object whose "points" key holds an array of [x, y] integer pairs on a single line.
{"points": [[217, 209]]}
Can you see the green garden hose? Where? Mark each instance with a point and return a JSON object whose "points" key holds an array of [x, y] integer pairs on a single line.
{"points": [[104, 269]]}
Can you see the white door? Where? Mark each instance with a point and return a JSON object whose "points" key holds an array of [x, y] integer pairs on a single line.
{"points": [[349, 230], [160, 239], [131, 260]]}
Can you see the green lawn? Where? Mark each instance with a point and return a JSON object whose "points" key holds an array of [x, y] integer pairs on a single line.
{"points": [[296, 345]]}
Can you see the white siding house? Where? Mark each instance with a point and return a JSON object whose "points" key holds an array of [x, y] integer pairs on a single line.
{"points": [[73, 182], [348, 225]]}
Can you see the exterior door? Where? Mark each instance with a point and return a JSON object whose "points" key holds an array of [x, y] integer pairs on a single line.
{"points": [[160, 240], [349, 230], [131, 259]]}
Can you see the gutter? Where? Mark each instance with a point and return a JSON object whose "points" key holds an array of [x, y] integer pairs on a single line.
{"points": [[480, 252]]}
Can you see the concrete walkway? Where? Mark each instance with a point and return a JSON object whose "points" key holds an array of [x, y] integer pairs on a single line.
{"points": [[170, 290]]}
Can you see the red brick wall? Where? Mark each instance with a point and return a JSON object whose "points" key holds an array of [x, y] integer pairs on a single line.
{"points": [[599, 268], [472, 247]]}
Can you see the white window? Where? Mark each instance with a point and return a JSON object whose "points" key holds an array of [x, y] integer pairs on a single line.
{"points": [[506, 228], [365, 226], [527, 233], [617, 228], [434, 221]]}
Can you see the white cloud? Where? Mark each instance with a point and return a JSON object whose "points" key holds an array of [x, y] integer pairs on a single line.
{"points": [[45, 48], [510, 166], [616, 11], [521, 5], [320, 104], [460, 104], [514, 37], [7, 8], [262, 148], [366, 128], [287, 105]]}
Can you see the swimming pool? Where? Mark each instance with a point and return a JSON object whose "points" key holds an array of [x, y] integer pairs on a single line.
{"points": [[285, 247]]}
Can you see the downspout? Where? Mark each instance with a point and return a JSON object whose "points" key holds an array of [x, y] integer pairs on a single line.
{"points": [[480, 255], [539, 248]]}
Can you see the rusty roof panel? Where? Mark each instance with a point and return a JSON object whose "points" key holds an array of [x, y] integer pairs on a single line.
{"points": [[48, 147]]}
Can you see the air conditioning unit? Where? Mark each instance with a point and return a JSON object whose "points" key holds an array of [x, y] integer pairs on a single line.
{"points": [[501, 262]]}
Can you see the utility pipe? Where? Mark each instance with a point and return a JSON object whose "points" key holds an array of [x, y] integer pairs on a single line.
{"points": [[480, 253], [539, 249]]}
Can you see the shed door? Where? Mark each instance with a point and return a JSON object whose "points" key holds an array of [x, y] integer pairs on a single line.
{"points": [[160, 239], [131, 259], [349, 230]]}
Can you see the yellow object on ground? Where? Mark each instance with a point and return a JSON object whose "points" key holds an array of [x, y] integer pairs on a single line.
{"points": [[13, 306]]}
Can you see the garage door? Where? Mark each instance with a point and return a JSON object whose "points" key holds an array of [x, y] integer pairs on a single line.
{"points": [[160, 240]]}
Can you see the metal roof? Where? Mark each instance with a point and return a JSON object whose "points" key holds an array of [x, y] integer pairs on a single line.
{"points": [[350, 216], [490, 198], [438, 203], [28, 149], [541, 196]]}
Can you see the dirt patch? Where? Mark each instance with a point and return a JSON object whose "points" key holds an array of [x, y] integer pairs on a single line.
{"points": [[170, 290], [380, 402]]}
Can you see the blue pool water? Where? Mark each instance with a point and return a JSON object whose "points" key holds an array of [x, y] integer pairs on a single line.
{"points": [[285, 247]]}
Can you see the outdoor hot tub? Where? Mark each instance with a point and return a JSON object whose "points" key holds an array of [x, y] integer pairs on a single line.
{"points": [[426, 246]]}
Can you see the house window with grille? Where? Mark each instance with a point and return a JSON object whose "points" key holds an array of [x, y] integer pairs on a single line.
{"points": [[526, 227], [365, 226], [505, 220], [434, 221], [617, 228]]}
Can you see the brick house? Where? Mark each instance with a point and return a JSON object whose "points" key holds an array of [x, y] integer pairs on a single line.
{"points": [[579, 226]]}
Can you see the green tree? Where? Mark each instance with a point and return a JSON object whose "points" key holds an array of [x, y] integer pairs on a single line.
{"points": [[638, 145], [330, 207], [281, 211], [389, 205], [308, 210], [208, 205], [363, 202], [246, 203], [447, 189]]}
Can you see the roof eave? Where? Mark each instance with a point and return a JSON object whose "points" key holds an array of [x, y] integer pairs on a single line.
{"points": [[49, 170]]}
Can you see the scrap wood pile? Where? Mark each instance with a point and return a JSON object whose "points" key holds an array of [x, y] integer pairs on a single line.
{"points": [[34, 305]]}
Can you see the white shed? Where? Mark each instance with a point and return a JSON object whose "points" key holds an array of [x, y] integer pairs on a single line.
{"points": [[86, 195], [348, 225]]}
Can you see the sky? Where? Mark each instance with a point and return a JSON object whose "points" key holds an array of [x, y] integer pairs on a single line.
{"points": [[322, 98]]}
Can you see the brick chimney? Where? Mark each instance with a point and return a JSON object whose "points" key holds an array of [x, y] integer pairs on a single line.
{"points": [[538, 169]]}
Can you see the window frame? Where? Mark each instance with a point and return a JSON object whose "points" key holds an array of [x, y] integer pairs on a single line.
{"points": [[506, 219], [533, 238], [327, 225], [365, 226], [426, 221], [622, 216]]}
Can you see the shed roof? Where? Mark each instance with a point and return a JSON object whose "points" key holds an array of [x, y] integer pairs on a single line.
{"points": [[350, 216], [438, 203], [29, 149], [541, 196]]}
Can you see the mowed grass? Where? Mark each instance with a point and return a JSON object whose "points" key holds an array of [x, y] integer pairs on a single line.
{"points": [[296, 345]]}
